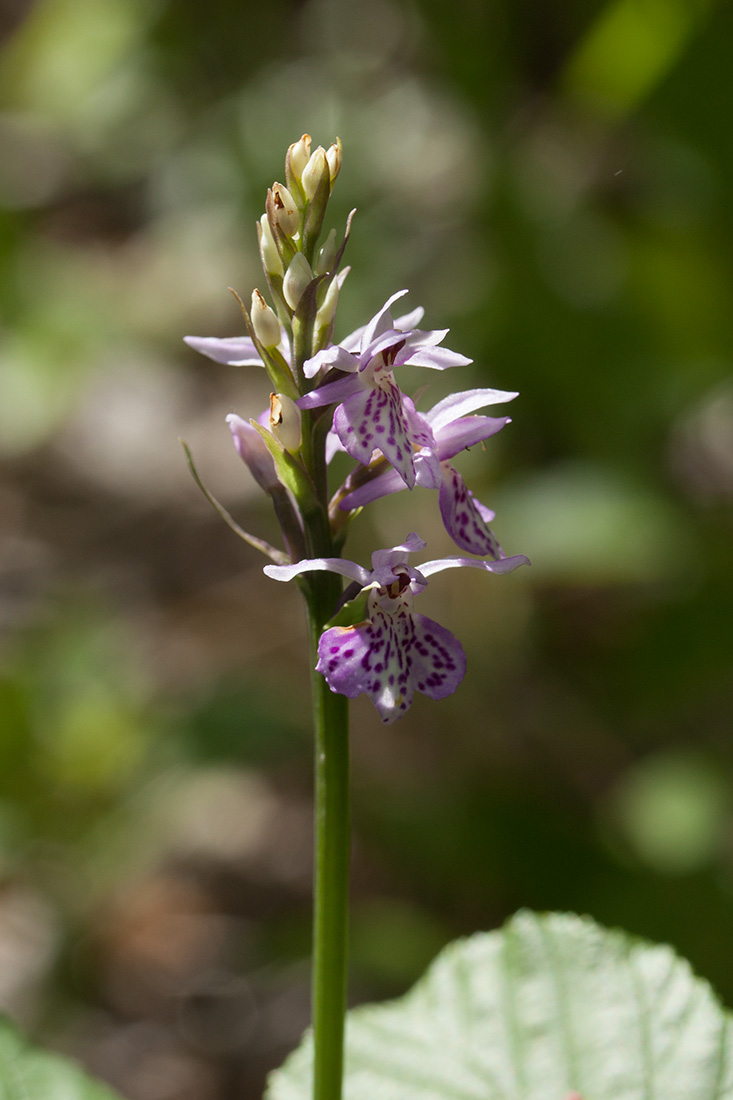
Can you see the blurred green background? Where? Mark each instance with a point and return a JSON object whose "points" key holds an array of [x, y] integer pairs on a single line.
{"points": [[553, 182]]}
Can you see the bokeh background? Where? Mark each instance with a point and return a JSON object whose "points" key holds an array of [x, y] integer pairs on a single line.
{"points": [[553, 182]]}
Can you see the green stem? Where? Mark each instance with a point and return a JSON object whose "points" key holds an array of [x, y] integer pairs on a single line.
{"points": [[332, 844]]}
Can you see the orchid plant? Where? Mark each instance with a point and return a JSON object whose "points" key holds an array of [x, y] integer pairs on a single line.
{"points": [[552, 1006], [331, 396]]}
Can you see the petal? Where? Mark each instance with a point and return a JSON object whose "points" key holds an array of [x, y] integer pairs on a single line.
{"points": [[504, 565], [334, 356], [385, 561], [375, 418], [235, 351], [331, 393], [332, 565], [252, 450], [381, 486], [408, 320], [425, 338], [381, 321], [367, 659], [466, 432], [380, 346], [463, 403], [437, 358], [389, 657], [334, 446], [420, 430], [439, 663], [463, 521]]}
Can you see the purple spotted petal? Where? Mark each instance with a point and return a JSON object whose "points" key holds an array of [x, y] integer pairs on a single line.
{"points": [[421, 432], [374, 418], [439, 663], [234, 351], [463, 521], [389, 657]]}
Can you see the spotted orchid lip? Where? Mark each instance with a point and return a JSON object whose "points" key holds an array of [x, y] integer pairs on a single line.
{"points": [[394, 652]]}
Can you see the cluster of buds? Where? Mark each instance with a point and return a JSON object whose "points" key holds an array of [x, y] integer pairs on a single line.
{"points": [[343, 396]]}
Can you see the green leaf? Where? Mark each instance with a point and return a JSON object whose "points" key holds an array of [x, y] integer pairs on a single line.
{"points": [[548, 1006], [27, 1073], [353, 611]]}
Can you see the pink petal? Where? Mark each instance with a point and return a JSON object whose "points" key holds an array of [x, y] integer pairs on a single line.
{"points": [[466, 432], [439, 663], [381, 321], [463, 403], [504, 565], [332, 565], [235, 351], [388, 658], [463, 521], [331, 393], [374, 418]]}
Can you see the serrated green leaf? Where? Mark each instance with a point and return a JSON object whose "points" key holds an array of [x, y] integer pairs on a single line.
{"points": [[548, 1006], [28, 1073]]}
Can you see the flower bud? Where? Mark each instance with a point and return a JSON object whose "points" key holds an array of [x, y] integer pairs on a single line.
{"points": [[297, 278], [285, 421], [264, 322], [298, 154], [287, 214], [334, 156], [327, 312], [269, 254], [326, 257], [315, 170]]}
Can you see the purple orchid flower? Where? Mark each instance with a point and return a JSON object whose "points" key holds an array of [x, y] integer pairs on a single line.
{"points": [[394, 652], [372, 412], [465, 518]]}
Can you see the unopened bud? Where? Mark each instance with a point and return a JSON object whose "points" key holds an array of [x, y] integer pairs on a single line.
{"points": [[264, 322], [298, 154], [271, 261], [326, 257], [285, 421], [315, 170], [333, 156], [286, 211], [327, 312], [297, 278]]}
